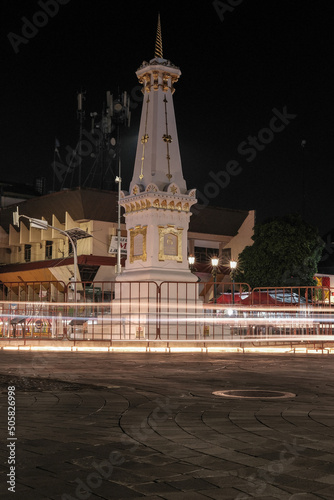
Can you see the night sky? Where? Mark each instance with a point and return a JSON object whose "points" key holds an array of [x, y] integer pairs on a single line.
{"points": [[240, 69]]}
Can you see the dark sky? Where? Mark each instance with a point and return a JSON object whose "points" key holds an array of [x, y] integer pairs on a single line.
{"points": [[263, 55]]}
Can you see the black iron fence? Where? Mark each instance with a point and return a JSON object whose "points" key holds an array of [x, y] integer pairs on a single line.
{"points": [[124, 311]]}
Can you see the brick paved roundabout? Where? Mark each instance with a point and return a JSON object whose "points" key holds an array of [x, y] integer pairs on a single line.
{"points": [[131, 426]]}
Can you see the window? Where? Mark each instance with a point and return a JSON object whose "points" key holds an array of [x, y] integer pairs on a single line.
{"points": [[27, 253], [225, 256], [204, 254], [48, 249]]}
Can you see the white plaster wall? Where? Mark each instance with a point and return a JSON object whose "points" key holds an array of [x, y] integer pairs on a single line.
{"points": [[101, 233], [244, 236]]}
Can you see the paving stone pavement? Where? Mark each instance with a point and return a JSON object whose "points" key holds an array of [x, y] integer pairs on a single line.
{"points": [[133, 426]]}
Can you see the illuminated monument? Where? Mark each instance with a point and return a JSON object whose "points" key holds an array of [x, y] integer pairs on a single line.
{"points": [[157, 206]]}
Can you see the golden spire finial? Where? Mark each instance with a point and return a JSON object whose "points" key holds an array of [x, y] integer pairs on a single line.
{"points": [[158, 41]]}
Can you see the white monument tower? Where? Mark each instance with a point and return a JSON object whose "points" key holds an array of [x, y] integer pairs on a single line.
{"points": [[157, 207]]}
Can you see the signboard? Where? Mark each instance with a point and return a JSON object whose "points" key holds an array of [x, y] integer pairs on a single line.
{"points": [[113, 245]]}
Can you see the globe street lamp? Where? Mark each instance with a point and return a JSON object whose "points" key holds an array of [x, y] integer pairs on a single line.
{"points": [[233, 266], [214, 265], [191, 262]]}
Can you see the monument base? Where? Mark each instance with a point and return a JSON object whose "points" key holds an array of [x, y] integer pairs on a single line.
{"points": [[158, 275], [152, 310]]}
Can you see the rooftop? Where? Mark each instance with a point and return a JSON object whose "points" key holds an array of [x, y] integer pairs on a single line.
{"points": [[94, 204]]}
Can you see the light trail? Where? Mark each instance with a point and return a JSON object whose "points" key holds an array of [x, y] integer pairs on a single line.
{"points": [[117, 321]]}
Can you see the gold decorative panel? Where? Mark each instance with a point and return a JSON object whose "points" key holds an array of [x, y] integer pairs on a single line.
{"points": [[155, 80], [152, 187], [170, 243], [138, 243]]}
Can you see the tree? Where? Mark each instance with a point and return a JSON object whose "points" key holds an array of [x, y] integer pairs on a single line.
{"points": [[285, 252]]}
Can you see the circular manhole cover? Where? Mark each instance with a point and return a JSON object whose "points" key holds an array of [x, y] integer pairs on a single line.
{"points": [[254, 394]]}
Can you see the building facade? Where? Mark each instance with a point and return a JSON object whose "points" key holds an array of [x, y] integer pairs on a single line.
{"points": [[29, 254]]}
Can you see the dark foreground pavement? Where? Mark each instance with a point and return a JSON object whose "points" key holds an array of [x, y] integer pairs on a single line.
{"points": [[130, 426]]}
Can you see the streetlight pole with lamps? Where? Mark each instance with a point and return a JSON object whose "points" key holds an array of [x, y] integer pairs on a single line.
{"points": [[120, 114], [233, 266], [214, 264], [72, 234]]}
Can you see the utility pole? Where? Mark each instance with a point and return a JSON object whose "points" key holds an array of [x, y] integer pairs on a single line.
{"points": [[119, 112]]}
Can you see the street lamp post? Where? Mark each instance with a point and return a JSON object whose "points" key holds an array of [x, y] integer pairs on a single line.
{"points": [[72, 234], [191, 262], [214, 264], [233, 265], [119, 111], [118, 180]]}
